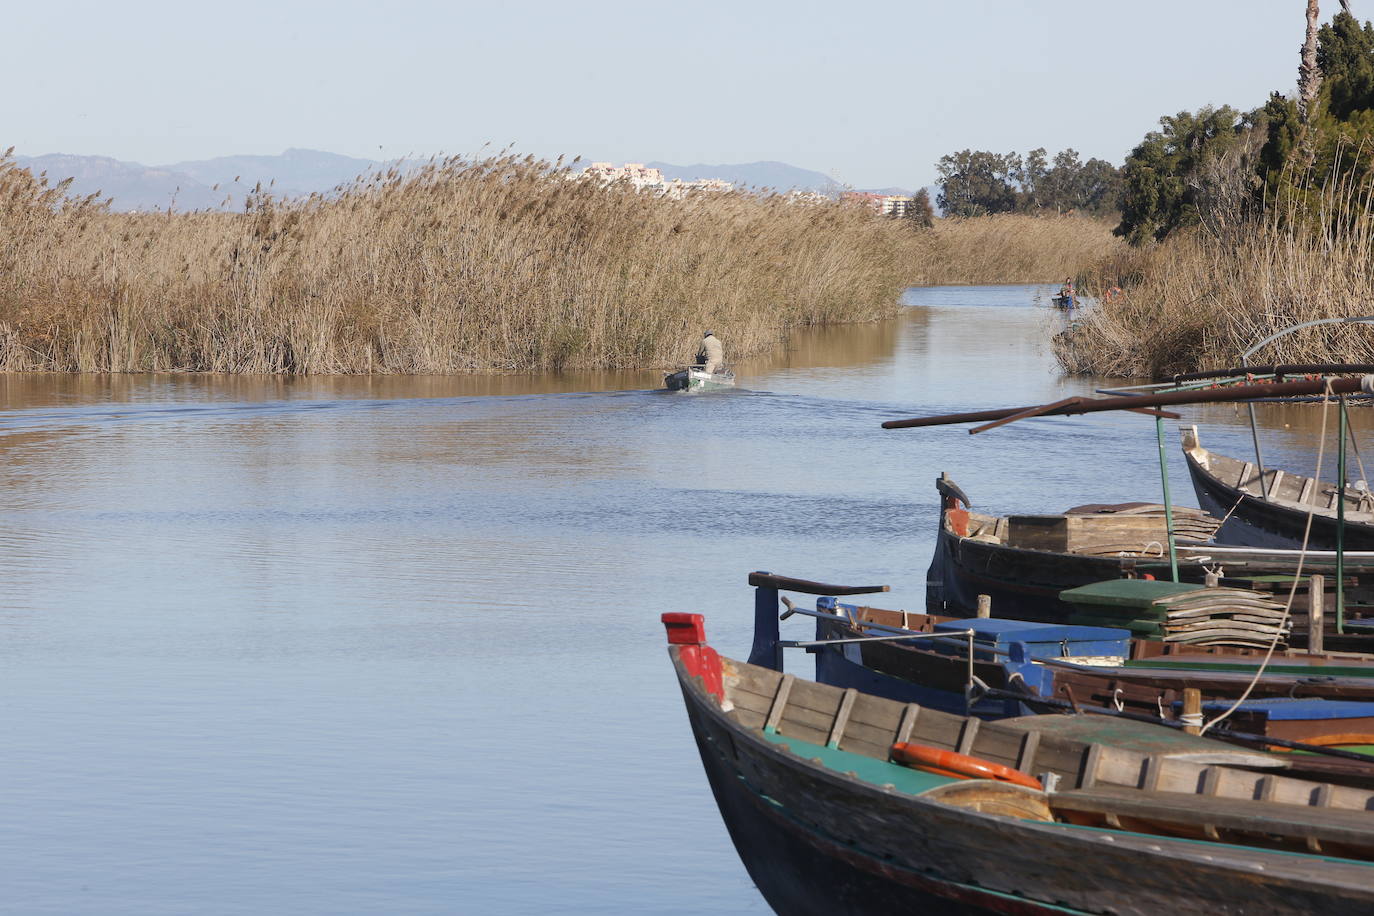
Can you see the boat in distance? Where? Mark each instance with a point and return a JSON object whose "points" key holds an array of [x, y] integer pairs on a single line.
{"points": [[695, 378], [842, 802]]}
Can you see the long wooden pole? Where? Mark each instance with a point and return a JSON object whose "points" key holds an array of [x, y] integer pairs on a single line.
{"points": [[1133, 402], [1274, 369], [1340, 522]]}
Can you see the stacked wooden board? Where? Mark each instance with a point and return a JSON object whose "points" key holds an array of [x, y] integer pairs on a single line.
{"points": [[1181, 612], [1131, 529]]}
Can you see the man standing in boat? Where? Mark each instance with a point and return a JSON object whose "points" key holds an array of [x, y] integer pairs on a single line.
{"points": [[711, 356]]}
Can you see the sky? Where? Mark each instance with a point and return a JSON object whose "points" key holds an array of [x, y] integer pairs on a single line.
{"points": [[872, 93]]}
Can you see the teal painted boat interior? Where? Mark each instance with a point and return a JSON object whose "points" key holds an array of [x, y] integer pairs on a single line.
{"points": [[870, 770]]}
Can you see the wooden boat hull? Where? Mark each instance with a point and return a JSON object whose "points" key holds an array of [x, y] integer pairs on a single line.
{"points": [[1026, 584], [1301, 706], [1021, 583], [1281, 521], [819, 840], [1303, 697], [806, 871]]}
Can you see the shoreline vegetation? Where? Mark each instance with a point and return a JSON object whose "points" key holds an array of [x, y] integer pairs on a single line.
{"points": [[1243, 224], [1201, 298], [499, 264]]}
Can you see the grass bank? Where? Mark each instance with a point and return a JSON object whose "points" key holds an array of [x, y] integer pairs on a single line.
{"points": [[499, 264]]}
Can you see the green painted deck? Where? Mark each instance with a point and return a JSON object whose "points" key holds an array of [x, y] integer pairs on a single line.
{"points": [[1136, 594], [870, 770]]}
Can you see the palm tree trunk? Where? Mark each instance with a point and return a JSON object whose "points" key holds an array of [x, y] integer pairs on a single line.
{"points": [[1309, 74]]}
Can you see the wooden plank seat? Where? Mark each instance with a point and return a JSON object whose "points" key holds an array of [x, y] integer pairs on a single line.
{"points": [[1317, 828]]}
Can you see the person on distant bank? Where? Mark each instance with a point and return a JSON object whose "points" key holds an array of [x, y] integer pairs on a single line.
{"points": [[711, 356]]}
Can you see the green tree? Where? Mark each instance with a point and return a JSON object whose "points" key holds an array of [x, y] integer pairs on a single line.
{"points": [[1335, 139], [1099, 188], [1283, 130], [1162, 176], [1345, 54], [921, 213], [1034, 171], [976, 183]]}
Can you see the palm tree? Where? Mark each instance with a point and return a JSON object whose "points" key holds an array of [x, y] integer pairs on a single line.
{"points": [[1309, 73]]}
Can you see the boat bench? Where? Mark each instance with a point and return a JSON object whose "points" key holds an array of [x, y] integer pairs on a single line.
{"points": [[1315, 825]]}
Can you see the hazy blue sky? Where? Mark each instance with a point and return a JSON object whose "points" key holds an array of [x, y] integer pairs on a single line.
{"points": [[874, 92]]}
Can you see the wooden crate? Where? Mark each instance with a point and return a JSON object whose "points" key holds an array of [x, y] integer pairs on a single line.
{"points": [[1074, 533]]}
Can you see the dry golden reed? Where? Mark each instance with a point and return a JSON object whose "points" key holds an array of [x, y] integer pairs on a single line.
{"points": [[1014, 248], [497, 264], [1202, 298]]}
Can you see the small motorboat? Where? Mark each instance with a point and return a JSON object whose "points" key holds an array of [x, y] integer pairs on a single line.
{"points": [[1064, 302], [695, 378]]}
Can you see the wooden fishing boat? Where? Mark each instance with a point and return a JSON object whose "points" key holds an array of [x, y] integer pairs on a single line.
{"points": [[1067, 815], [1025, 563], [694, 378], [996, 668], [1273, 512]]}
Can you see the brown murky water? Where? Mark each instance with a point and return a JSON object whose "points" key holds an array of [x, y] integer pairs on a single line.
{"points": [[392, 644]]}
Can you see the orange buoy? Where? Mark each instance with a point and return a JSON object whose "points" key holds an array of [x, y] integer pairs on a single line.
{"points": [[959, 766]]}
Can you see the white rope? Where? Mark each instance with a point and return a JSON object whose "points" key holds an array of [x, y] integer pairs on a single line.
{"points": [[1234, 506], [1297, 577]]}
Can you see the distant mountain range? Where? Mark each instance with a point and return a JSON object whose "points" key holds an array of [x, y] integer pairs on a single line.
{"points": [[296, 171], [223, 182], [132, 186]]}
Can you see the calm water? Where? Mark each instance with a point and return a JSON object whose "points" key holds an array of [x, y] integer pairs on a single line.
{"points": [[392, 645]]}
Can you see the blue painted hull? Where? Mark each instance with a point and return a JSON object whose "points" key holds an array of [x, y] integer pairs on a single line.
{"points": [[834, 666]]}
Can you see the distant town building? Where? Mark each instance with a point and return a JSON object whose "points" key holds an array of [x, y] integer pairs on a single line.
{"points": [[643, 178], [887, 204], [636, 173]]}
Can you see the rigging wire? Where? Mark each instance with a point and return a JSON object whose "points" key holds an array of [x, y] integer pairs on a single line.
{"points": [[1297, 577]]}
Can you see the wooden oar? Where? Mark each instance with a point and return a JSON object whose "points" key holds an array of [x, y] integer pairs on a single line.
{"points": [[1136, 402]]}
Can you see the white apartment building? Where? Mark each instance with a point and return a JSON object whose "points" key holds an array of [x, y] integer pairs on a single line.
{"points": [[643, 178]]}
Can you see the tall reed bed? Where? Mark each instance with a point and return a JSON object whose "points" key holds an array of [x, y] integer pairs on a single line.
{"points": [[498, 264], [1200, 299], [1014, 248]]}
